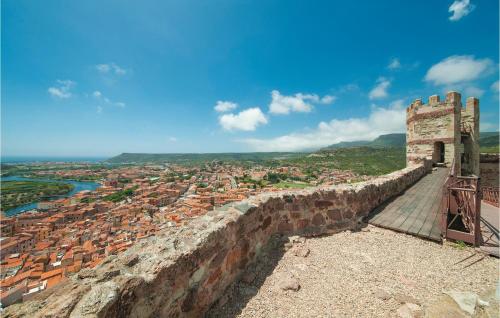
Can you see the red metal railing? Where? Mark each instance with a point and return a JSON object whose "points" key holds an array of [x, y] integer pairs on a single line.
{"points": [[490, 195], [461, 208]]}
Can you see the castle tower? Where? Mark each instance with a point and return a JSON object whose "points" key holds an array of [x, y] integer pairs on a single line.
{"points": [[444, 132]]}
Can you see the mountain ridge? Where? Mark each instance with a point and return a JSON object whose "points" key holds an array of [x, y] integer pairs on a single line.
{"points": [[486, 139]]}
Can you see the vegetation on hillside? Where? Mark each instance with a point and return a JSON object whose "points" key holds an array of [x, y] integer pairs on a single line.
{"points": [[384, 154], [16, 193], [361, 160], [200, 158], [120, 195], [382, 141], [489, 142]]}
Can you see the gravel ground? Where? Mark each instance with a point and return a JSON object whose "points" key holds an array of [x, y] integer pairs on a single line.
{"points": [[355, 274]]}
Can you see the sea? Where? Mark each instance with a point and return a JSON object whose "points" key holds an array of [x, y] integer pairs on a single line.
{"points": [[34, 159]]}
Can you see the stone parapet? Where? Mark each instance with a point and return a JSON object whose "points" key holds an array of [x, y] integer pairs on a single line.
{"points": [[181, 272]]}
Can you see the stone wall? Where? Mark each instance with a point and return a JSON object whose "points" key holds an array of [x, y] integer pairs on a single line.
{"points": [[444, 123], [427, 124], [182, 271], [490, 170]]}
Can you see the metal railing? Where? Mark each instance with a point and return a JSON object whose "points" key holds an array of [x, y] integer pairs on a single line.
{"points": [[461, 208], [490, 195]]}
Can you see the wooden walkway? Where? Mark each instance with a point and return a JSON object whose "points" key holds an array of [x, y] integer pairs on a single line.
{"points": [[416, 211], [490, 222]]}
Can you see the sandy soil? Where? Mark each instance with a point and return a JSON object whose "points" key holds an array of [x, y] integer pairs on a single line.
{"points": [[356, 274]]}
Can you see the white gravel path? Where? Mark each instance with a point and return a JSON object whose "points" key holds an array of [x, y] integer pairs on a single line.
{"points": [[348, 275]]}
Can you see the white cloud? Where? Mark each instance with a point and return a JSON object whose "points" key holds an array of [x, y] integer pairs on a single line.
{"points": [[394, 64], [172, 139], [103, 68], [110, 68], [99, 109], [283, 105], [380, 90], [223, 106], [380, 121], [327, 99], [460, 9], [246, 120], [473, 91], [352, 87], [458, 69], [100, 97], [62, 90], [496, 86]]}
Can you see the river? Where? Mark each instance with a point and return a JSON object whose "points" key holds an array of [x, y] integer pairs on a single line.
{"points": [[78, 186]]}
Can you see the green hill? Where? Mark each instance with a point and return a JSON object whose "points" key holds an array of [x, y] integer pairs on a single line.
{"points": [[390, 140], [382, 141], [489, 142], [362, 160], [194, 158]]}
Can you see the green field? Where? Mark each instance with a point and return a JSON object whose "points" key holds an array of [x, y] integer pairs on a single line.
{"points": [[16, 193]]}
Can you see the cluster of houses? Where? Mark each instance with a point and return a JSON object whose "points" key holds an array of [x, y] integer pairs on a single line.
{"points": [[43, 247]]}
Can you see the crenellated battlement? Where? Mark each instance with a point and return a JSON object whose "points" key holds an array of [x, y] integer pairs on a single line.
{"points": [[452, 99]]}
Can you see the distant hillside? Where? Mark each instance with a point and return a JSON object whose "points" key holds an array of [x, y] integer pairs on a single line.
{"points": [[489, 142], [390, 140], [489, 139], [193, 158], [362, 160], [382, 141]]}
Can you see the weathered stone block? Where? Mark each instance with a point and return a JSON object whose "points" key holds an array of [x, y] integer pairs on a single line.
{"points": [[334, 214], [323, 204], [318, 219]]}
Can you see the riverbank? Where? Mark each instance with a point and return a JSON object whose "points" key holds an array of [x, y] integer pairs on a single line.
{"points": [[17, 193], [76, 186]]}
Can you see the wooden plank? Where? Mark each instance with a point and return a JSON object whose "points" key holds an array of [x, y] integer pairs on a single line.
{"points": [[415, 211], [393, 210], [430, 213], [426, 229], [436, 230], [384, 212], [435, 195], [418, 199], [407, 210], [431, 221], [387, 214], [421, 211]]}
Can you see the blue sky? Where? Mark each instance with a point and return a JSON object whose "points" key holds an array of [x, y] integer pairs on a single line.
{"points": [[97, 78]]}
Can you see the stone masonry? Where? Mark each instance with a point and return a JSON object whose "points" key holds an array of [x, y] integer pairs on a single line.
{"points": [[490, 170], [183, 271], [443, 131]]}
